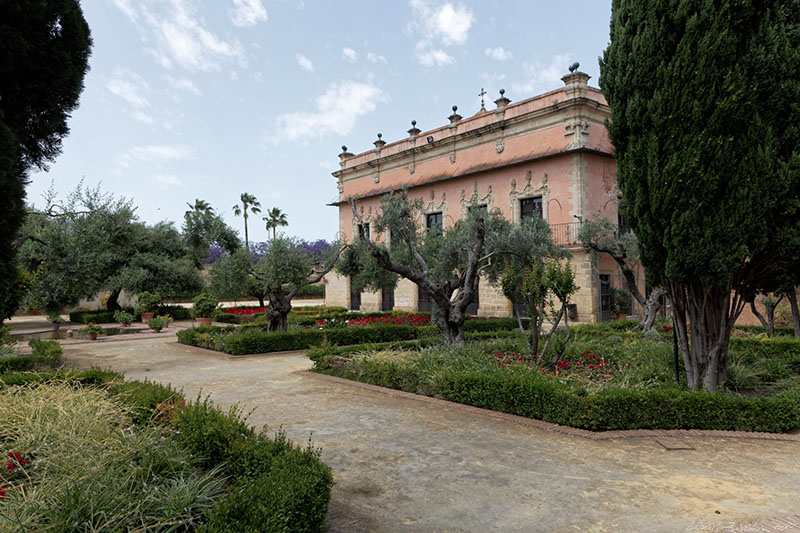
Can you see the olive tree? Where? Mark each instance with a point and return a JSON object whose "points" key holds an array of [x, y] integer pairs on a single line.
{"points": [[602, 236], [531, 271], [445, 264], [284, 269]]}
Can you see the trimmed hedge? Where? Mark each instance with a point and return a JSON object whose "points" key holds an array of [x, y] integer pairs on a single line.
{"points": [[46, 354], [779, 330], [100, 317], [251, 340], [524, 393], [107, 317]]}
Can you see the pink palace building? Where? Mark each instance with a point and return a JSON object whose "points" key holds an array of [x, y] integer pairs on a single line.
{"points": [[548, 156]]}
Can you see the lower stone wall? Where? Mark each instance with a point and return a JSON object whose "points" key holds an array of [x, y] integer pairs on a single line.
{"points": [[491, 298], [337, 290], [405, 295]]}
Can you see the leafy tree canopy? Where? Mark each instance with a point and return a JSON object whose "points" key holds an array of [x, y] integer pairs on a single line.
{"points": [[43, 60]]}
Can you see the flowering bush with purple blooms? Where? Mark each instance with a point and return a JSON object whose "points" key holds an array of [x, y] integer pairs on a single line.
{"points": [[215, 252], [315, 249]]}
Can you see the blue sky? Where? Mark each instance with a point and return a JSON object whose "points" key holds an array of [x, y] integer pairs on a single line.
{"points": [[189, 99]]}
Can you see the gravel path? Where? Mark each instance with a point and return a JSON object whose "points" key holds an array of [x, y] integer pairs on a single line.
{"points": [[406, 465]]}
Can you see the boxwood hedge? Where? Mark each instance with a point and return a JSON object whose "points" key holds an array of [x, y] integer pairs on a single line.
{"points": [[529, 394], [249, 340]]}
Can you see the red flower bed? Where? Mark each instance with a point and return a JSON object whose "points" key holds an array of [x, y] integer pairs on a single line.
{"points": [[402, 320], [588, 366], [244, 311]]}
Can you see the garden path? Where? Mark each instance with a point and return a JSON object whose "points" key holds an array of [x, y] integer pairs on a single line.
{"points": [[406, 465]]}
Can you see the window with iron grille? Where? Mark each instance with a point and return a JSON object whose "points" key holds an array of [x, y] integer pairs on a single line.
{"points": [[363, 231]]}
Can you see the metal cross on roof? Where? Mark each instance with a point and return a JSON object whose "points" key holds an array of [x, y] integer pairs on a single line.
{"points": [[482, 94]]}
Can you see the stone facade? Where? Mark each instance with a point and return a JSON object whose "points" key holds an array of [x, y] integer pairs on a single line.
{"points": [[552, 148]]}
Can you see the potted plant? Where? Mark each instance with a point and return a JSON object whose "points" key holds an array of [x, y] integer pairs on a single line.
{"points": [[92, 330], [124, 318], [147, 304], [156, 324], [203, 308], [167, 319], [56, 320]]}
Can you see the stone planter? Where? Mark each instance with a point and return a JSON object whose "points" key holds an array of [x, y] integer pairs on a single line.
{"points": [[203, 321], [146, 317]]}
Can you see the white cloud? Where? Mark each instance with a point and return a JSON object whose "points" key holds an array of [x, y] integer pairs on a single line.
{"points": [[143, 117], [129, 86], [126, 7], [183, 84], [167, 181], [158, 153], [349, 55], [499, 53], [538, 77], [304, 62], [447, 24], [373, 57], [336, 112], [248, 13], [178, 36], [430, 57]]}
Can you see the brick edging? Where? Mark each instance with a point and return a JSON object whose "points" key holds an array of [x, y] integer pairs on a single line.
{"points": [[549, 426]]}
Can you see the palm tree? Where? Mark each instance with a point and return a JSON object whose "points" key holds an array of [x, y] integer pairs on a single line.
{"points": [[200, 206], [248, 202], [275, 217]]}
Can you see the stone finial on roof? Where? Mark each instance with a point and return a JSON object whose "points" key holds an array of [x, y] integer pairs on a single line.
{"points": [[345, 154], [575, 84], [414, 131], [455, 117], [502, 102], [380, 143]]}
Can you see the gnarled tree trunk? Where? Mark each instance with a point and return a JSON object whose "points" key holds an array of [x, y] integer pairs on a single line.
{"points": [[279, 307], [712, 311], [769, 308], [113, 301], [792, 296]]}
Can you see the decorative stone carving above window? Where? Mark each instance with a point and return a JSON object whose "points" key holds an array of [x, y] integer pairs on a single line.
{"points": [[433, 207], [530, 190], [476, 199]]}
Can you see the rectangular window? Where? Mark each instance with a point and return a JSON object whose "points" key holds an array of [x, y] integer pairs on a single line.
{"points": [[622, 218], [363, 231], [433, 221], [530, 207], [479, 209]]}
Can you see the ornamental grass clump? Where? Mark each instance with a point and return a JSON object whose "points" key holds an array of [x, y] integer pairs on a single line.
{"points": [[74, 458]]}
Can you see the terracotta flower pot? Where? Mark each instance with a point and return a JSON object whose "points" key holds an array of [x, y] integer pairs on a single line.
{"points": [[203, 321], [92, 336], [146, 317], [56, 326]]}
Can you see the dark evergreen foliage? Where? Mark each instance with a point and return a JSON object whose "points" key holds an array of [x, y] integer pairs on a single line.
{"points": [[43, 60], [705, 101]]}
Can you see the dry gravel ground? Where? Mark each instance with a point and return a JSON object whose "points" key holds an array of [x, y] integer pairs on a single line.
{"points": [[405, 465]]}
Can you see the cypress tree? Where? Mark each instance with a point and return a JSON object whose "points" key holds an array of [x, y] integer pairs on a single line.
{"points": [[705, 101], [43, 59]]}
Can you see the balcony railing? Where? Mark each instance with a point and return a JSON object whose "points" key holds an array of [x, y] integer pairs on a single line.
{"points": [[567, 234]]}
